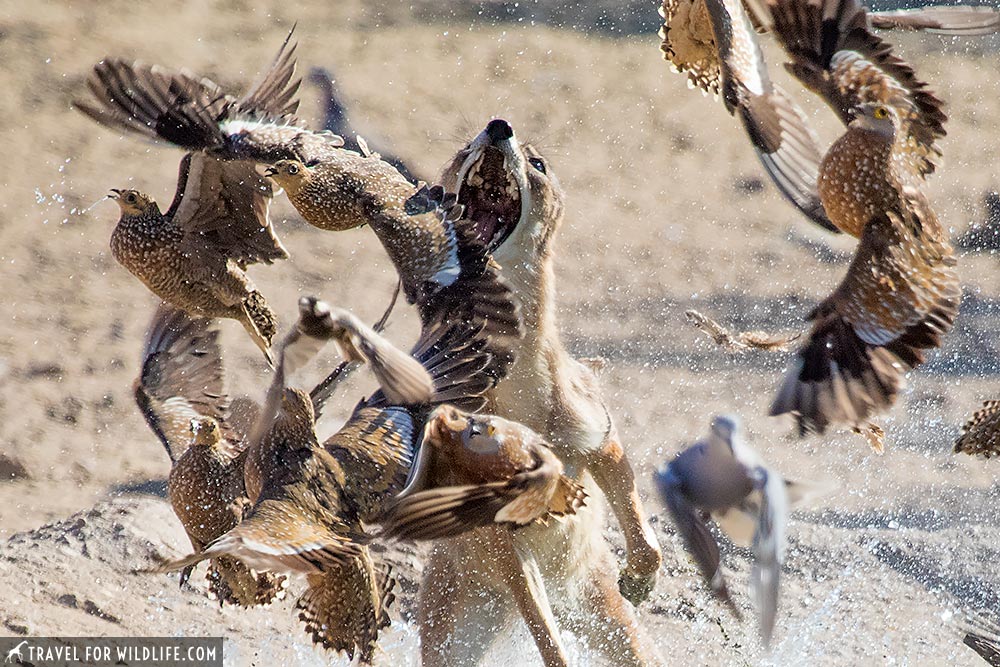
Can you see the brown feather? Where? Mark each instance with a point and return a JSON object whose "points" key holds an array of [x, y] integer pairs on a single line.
{"points": [[344, 608], [232, 582], [980, 435], [835, 54]]}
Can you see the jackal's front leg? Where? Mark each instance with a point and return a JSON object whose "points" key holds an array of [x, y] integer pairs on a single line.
{"points": [[613, 474], [521, 573]]}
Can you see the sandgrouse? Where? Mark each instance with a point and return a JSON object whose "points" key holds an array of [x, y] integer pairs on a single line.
{"points": [[182, 394], [901, 292], [422, 230], [312, 501], [715, 44], [478, 470], [194, 255]]}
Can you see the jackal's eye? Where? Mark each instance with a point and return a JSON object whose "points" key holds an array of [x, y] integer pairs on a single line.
{"points": [[538, 163]]}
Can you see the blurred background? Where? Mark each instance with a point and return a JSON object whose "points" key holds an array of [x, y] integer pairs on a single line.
{"points": [[667, 209]]}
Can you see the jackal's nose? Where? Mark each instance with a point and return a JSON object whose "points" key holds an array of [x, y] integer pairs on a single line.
{"points": [[499, 130]]}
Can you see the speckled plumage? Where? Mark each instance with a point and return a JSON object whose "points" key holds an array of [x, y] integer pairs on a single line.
{"points": [[856, 182], [205, 485], [442, 270], [715, 44], [836, 55], [346, 606], [302, 521], [343, 189], [981, 434], [901, 293], [181, 392], [311, 501], [194, 255], [421, 230], [479, 470], [688, 43]]}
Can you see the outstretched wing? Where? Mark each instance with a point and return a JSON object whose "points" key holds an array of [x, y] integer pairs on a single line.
{"points": [[222, 205], [378, 446], [403, 379], [155, 102], [273, 93], [729, 61], [981, 434], [899, 297], [835, 54], [446, 511], [699, 541], [295, 351], [687, 42], [280, 536], [322, 392], [958, 20], [768, 548], [182, 377], [902, 274], [193, 112]]}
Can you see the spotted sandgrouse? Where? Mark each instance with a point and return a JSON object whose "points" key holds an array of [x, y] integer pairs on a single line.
{"points": [[901, 292], [194, 255], [312, 501], [715, 44], [333, 188], [477, 470], [182, 394]]}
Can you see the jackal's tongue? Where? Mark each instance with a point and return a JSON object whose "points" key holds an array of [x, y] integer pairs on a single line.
{"points": [[489, 214]]}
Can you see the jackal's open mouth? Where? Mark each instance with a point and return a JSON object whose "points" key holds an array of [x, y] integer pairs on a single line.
{"points": [[491, 197]]}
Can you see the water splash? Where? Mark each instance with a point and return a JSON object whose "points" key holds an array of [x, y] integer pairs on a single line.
{"points": [[90, 208]]}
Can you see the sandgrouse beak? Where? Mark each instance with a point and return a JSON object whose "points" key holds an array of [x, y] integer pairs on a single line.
{"points": [[271, 171], [114, 194]]}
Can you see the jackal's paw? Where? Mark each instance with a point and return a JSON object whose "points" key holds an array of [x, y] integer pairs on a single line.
{"points": [[636, 587]]}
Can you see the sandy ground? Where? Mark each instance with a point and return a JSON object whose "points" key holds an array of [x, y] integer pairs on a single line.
{"points": [[664, 214]]}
